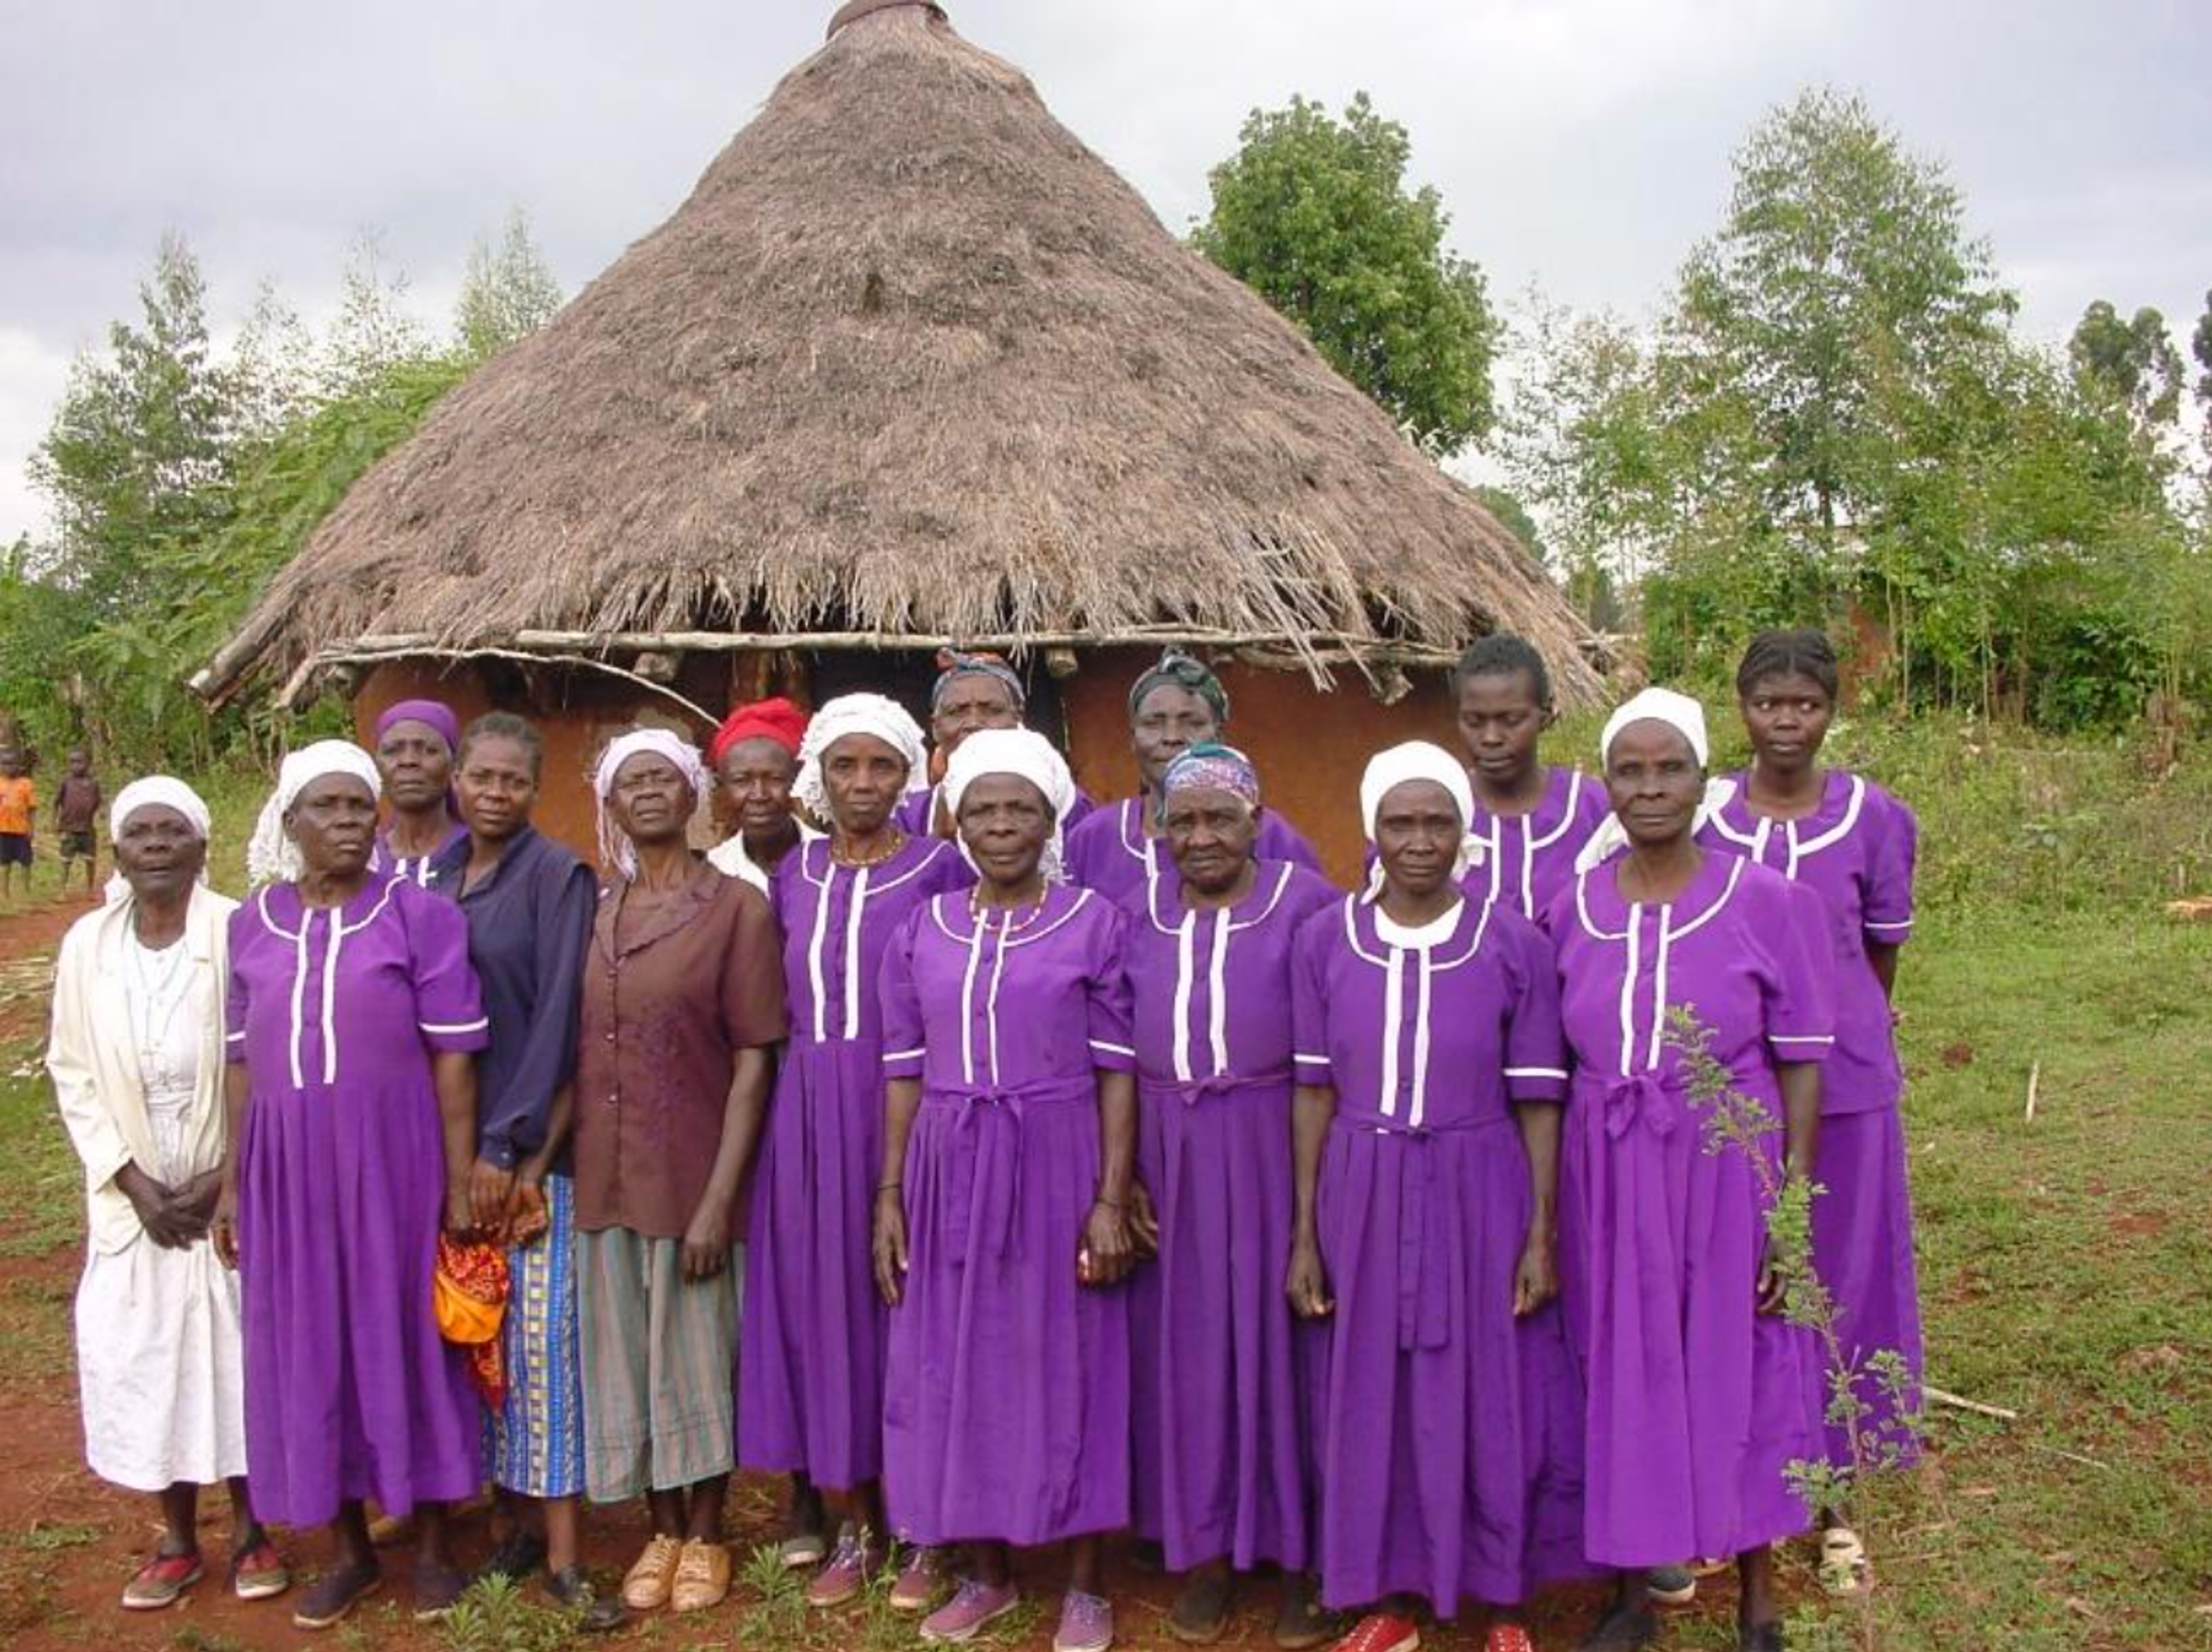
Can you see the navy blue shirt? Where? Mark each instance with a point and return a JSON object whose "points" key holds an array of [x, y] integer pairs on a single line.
{"points": [[530, 923]]}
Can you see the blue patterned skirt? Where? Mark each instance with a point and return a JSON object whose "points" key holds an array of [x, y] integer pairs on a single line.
{"points": [[534, 1443]]}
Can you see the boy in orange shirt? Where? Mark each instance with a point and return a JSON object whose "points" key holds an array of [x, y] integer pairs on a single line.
{"points": [[19, 810]]}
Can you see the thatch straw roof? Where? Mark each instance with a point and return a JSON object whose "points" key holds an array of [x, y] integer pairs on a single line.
{"points": [[910, 360]]}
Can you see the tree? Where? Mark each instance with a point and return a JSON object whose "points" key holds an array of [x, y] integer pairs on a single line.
{"points": [[506, 293], [139, 453], [374, 328], [2133, 362], [1313, 213], [2200, 346]]}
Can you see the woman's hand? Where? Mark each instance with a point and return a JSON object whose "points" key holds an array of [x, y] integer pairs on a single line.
{"points": [[1536, 1281], [152, 1202], [1143, 1223], [1773, 1283], [527, 1219], [223, 1226], [889, 1244], [490, 1191], [707, 1241], [1308, 1285], [1108, 1252]]}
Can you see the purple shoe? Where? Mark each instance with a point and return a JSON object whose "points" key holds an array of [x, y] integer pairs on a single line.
{"points": [[973, 1608], [850, 1563], [1086, 1624]]}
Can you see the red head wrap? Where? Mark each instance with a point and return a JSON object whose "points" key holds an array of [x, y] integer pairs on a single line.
{"points": [[778, 719]]}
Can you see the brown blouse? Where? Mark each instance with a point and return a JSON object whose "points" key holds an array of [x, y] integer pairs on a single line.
{"points": [[695, 981]]}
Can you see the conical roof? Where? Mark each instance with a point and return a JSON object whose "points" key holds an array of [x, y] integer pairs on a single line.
{"points": [[910, 360]]}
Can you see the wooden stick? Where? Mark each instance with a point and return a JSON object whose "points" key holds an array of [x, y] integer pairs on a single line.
{"points": [[1958, 1402], [2071, 1456], [2034, 1077]]}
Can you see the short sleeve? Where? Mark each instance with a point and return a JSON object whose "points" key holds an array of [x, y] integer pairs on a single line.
{"points": [[1801, 988], [1535, 1046], [1310, 999], [753, 1012], [896, 995], [1892, 851], [448, 1003], [1110, 1008], [235, 1001]]}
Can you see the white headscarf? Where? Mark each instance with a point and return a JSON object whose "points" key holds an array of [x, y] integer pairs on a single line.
{"points": [[163, 791], [857, 713], [271, 856], [615, 850], [1686, 718], [1419, 760], [1028, 755]]}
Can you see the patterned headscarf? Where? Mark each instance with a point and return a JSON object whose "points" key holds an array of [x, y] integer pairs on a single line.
{"points": [[271, 856], [1211, 767], [857, 713], [615, 850], [952, 665], [1184, 671]]}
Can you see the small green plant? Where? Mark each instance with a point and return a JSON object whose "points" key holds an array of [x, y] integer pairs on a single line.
{"points": [[1858, 1388], [45, 1539], [496, 1615]]}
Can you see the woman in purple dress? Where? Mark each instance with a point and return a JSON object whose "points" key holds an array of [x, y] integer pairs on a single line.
{"points": [[973, 692], [811, 1347], [417, 742], [1427, 1126], [1531, 821], [1000, 1225], [1219, 1407], [1698, 1395], [1853, 843], [354, 1017], [1177, 704]]}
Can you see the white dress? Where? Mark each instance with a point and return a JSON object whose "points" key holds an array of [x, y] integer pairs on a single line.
{"points": [[159, 1358]]}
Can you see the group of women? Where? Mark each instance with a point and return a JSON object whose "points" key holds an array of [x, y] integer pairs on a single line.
{"points": [[1076, 1169]]}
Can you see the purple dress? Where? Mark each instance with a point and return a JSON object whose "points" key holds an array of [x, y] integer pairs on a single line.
{"points": [[336, 1014], [1856, 850], [1109, 852], [1697, 1404], [1218, 1416], [1006, 1400], [1450, 1448], [811, 1340], [1529, 858], [418, 868], [916, 815]]}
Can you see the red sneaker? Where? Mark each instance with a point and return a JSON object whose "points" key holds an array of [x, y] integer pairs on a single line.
{"points": [[162, 1582], [1381, 1632]]}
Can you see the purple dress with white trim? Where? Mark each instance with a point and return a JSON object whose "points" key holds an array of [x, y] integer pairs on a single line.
{"points": [[1109, 852], [336, 1014], [1006, 1399], [1220, 1418], [1857, 851], [810, 1343], [1449, 1450], [1696, 1403], [1529, 859]]}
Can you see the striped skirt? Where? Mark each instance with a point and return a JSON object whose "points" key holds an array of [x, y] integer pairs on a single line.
{"points": [[659, 1356], [534, 1442]]}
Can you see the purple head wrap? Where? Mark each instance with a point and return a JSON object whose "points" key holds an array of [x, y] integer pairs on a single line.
{"points": [[431, 713]]}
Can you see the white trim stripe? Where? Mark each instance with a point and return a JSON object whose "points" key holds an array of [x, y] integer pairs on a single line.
{"points": [[480, 1024], [1535, 1072], [1218, 986], [906, 1055], [1801, 1038], [1112, 1048]]}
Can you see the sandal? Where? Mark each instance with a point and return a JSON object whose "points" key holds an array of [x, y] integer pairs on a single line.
{"points": [[1844, 1567]]}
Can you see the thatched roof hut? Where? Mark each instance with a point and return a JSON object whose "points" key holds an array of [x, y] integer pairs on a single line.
{"points": [[912, 364]]}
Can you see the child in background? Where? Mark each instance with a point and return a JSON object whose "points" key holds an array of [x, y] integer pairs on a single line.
{"points": [[19, 809], [76, 815]]}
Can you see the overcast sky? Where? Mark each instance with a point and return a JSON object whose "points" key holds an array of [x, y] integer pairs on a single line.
{"points": [[1580, 144]]}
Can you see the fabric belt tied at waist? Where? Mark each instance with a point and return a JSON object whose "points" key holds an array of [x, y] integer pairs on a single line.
{"points": [[1641, 1095], [1191, 1091], [999, 1220]]}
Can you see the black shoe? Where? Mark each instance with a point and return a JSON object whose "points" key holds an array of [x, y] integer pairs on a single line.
{"points": [[596, 1615], [1759, 1638], [1201, 1611], [516, 1560], [1622, 1629]]}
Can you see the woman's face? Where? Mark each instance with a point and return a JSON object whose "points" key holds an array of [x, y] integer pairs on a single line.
{"points": [[971, 702], [865, 777], [755, 779], [333, 820], [1500, 721], [159, 853], [1654, 781], [651, 801], [1418, 828], [1005, 822], [416, 764], [1787, 716], [1210, 833], [497, 786], [1169, 721]]}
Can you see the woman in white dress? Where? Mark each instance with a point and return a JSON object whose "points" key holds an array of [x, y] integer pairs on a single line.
{"points": [[136, 1060]]}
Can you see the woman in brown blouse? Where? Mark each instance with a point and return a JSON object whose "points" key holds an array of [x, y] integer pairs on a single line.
{"points": [[682, 1005]]}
